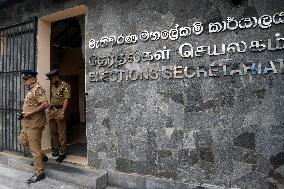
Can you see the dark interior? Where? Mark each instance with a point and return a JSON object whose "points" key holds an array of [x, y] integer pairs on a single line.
{"points": [[66, 35]]}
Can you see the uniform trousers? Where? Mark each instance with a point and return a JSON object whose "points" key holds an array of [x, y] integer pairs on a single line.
{"points": [[30, 139], [58, 132]]}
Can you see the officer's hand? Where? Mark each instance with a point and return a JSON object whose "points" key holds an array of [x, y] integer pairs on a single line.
{"points": [[61, 117], [27, 115]]}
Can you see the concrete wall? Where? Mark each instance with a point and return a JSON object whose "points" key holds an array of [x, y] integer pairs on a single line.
{"points": [[225, 130], [26, 9]]}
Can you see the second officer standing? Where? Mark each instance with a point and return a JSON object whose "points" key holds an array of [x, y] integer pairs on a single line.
{"points": [[60, 99]]}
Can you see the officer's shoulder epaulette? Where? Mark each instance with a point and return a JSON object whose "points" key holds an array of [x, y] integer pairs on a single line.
{"points": [[39, 91]]}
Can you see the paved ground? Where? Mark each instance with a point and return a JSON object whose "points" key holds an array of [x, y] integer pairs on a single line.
{"points": [[14, 178], [11, 178]]}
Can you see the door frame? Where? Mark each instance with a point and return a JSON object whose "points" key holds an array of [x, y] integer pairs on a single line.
{"points": [[44, 51]]}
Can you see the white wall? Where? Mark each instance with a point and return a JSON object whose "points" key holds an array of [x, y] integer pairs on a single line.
{"points": [[43, 67]]}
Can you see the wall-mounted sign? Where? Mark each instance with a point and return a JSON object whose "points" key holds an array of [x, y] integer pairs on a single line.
{"points": [[109, 66]]}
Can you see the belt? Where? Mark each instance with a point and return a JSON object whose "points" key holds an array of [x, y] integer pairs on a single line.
{"points": [[56, 107]]}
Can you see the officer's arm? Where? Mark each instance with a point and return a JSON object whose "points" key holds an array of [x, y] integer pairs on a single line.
{"points": [[41, 98], [43, 105], [67, 96], [65, 105]]}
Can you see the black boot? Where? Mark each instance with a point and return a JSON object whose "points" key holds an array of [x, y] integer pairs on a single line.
{"points": [[61, 158], [55, 152], [35, 178], [44, 159]]}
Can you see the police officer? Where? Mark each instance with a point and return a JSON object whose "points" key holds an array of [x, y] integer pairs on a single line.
{"points": [[60, 98], [33, 123]]}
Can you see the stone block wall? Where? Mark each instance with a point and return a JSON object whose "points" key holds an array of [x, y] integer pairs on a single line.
{"points": [[223, 130]]}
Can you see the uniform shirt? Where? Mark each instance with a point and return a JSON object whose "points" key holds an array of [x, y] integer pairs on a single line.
{"points": [[59, 93], [34, 97]]}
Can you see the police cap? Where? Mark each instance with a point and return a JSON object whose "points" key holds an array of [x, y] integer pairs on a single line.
{"points": [[28, 73], [52, 73]]}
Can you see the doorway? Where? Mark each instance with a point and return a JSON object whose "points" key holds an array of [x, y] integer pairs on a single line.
{"points": [[61, 45], [66, 55]]}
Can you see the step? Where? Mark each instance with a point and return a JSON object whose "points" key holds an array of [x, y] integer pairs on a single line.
{"points": [[14, 178], [137, 181], [86, 177], [113, 187], [82, 176]]}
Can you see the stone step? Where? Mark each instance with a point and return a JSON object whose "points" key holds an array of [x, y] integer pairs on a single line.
{"points": [[86, 177], [113, 187], [136, 181], [82, 176], [14, 178]]}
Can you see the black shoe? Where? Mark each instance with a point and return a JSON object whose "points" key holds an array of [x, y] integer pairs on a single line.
{"points": [[61, 158], [55, 152], [44, 159], [35, 178]]}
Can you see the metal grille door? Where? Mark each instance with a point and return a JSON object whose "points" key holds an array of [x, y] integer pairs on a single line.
{"points": [[17, 52]]}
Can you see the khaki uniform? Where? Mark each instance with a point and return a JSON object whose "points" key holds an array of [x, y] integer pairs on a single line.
{"points": [[57, 127], [31, 133]]}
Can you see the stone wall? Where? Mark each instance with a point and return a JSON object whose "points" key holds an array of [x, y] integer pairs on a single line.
{"points": [[224, 130], [21, 10]]}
